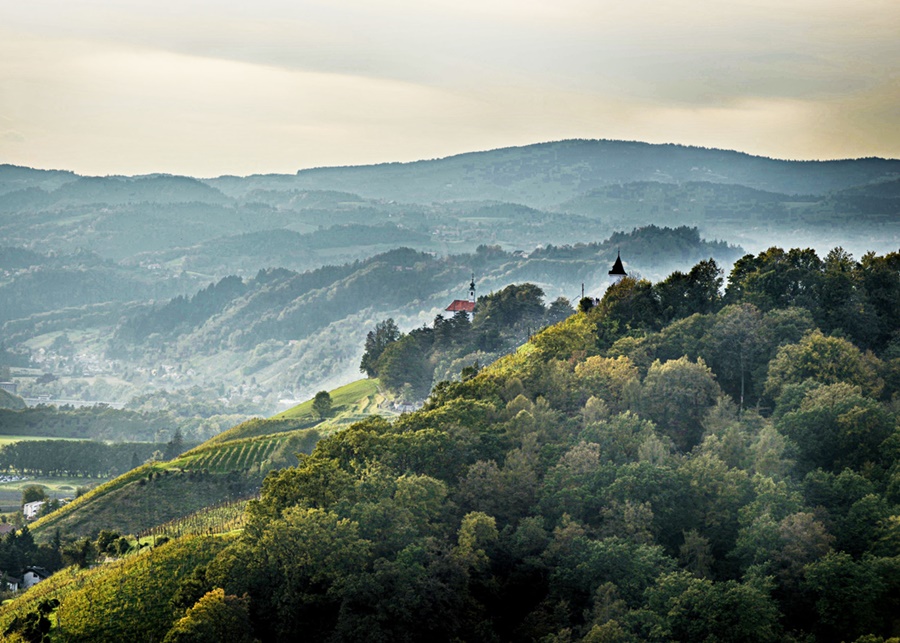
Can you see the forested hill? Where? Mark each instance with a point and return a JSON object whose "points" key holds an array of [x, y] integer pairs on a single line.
{"points": [[545, 174], [672, 464]]}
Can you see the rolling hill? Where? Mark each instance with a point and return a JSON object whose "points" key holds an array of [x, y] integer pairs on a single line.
{"points": [[546, 174], [230, 466], [672, 464]]}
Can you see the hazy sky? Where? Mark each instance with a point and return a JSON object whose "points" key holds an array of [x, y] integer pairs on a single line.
{"points": [[206, 88]]}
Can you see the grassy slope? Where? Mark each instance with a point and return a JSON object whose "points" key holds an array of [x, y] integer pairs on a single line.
{"points": [[350, 403], [94, 601], [230, 465]]}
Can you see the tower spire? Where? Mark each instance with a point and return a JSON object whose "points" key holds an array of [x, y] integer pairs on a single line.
{"points": [[472, 289], [618, 270]]}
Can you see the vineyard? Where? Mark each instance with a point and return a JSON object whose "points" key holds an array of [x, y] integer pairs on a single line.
{"points": [[218, 519], [258, 427], [140, 586], [256, 456], [158, 496]]}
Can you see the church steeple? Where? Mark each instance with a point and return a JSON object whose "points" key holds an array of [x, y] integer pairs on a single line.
{"points": [[472, 289], [618, 270]]}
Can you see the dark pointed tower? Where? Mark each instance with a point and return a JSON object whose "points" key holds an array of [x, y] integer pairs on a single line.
{"points": [[618, 271], [472, 289]]}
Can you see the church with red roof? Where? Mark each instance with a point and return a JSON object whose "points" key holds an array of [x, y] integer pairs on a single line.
{"points": [[463, 305]]}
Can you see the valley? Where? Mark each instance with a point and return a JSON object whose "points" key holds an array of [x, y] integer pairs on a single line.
{"points": [[297, 427]]}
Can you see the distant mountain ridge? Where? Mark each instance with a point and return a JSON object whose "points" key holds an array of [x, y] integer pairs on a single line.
{"points": [[562, 168], [539, 175], [520, 197]]}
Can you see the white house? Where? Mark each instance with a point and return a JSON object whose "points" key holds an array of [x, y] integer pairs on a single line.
{"points": [[31, 509], [33, 576]]}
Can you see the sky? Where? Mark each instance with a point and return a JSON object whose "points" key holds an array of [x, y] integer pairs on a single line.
{"points": [[206, 88]]}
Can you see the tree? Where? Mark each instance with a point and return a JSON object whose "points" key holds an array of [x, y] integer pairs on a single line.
{"points": [[215, 617], [695, 609], [844, 611], [676, 395], [81, 553], [33, 493], [880, 278], [384, 334], [776, 279], [514, 305], [477, 533], [175, 446], [107, 541], [34, 626], [404, 362], [322, 404], [825, 360], [559, 310], [313, 551], [606, 378], [631, 303], [732, 347], [836, 427], [844, 306], [681, 295]]}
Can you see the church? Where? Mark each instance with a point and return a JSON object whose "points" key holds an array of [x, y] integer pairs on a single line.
{"points": [[463, 305]]}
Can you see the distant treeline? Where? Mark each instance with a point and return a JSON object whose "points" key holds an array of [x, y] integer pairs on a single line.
{"points": [[97, 423], [81, 457]]}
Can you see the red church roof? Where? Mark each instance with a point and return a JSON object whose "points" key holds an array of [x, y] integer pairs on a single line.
{"points": [[461, 305]]}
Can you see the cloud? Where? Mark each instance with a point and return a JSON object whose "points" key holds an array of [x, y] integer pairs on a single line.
{"points": [[204, 87]]}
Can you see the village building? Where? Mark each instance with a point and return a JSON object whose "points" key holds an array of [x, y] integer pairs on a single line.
{"points": [[31, 509], [12, 583], [34, 575]]}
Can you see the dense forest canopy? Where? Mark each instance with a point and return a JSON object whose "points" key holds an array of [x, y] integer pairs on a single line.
{"points": [[675, 463], [719, 468]]}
